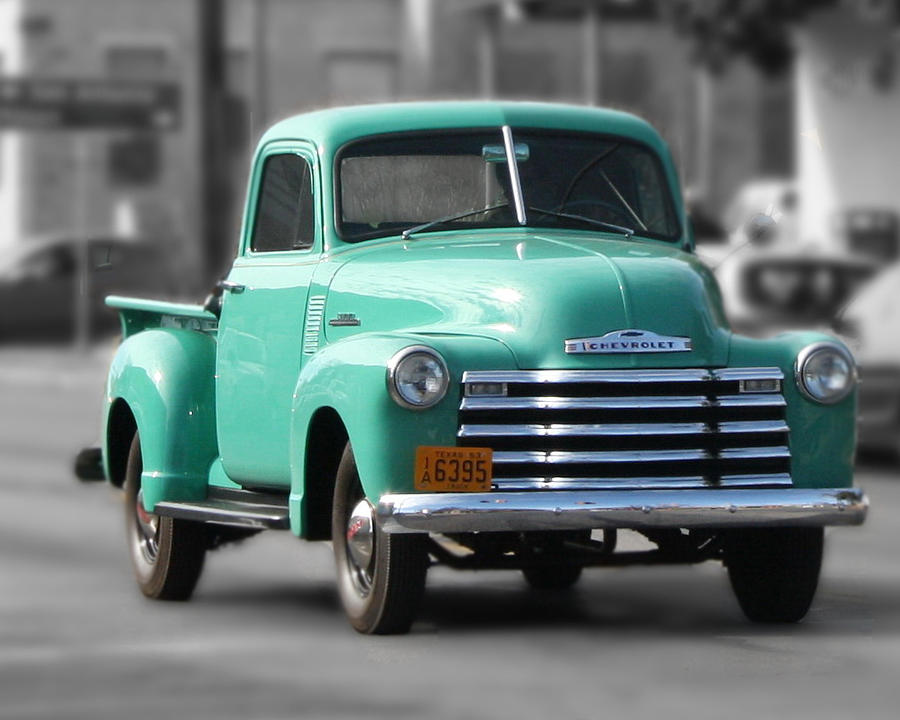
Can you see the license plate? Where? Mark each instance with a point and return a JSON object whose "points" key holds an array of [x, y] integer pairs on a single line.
{"points": [[453, 469]]}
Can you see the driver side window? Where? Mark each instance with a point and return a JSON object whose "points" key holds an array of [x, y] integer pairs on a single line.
{"points": [[284, 212]]}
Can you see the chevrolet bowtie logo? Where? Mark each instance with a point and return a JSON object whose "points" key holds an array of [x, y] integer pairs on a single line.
{"points": [[628, 341]]}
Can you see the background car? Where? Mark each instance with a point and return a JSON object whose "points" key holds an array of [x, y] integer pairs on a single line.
{"points": [[771, 290], [871, 325], [39, 284]]}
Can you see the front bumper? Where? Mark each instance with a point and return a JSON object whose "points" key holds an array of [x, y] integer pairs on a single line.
{"points": [[636, 509]]}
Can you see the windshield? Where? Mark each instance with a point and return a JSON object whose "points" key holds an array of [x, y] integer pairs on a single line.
{"points": [[442, 181]]}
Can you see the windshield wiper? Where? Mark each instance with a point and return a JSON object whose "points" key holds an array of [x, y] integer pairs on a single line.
{"points": [[622, 200], [450, 218], [597, 162], [626, 231]]}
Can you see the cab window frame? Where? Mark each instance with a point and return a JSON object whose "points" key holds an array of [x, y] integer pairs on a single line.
{"points": [[306, 153], [671, 192]]}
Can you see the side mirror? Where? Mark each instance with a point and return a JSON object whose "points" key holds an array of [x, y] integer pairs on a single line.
{"points": [[690, 236], [761, 229], [213, 302]]}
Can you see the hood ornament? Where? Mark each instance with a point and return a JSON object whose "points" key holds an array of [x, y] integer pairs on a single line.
{"points": [[628, 341]]}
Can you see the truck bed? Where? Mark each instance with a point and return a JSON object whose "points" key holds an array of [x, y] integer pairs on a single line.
{"points": [[139, 314]]}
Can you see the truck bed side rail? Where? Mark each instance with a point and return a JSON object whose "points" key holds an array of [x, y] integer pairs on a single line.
{"points": [[138, 314]]}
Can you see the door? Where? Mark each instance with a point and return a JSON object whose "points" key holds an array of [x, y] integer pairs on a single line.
{"points": [[261, 325]]}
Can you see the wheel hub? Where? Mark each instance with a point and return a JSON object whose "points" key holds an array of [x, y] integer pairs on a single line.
{"points": [[360, 535], [147, 529]]}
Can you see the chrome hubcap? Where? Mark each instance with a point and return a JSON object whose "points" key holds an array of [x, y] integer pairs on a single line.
{"points": [[360, 536], [147, 529]]}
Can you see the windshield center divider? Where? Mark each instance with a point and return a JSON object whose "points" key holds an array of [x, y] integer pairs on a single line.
{"points": [[514, 181]]}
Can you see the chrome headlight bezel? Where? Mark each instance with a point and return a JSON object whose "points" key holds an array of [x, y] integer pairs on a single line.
{"points": [[395, 366], [809, 353]]}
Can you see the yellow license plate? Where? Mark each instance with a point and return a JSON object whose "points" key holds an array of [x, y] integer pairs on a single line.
{"points": [[453, 469]]}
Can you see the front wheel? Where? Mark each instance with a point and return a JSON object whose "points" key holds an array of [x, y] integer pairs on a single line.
{"points": [[774, 571], [167, 554], [380, 577]]}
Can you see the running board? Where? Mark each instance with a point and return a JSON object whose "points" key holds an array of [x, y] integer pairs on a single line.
{"points": [[237, 508]]}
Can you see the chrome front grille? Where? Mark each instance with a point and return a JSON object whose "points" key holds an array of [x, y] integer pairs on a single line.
{"points": [[629, 428]]}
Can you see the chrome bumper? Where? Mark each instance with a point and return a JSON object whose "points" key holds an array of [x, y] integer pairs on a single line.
{"points": [[573, 510]]}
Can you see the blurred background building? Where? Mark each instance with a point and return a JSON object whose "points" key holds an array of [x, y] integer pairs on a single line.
{"points": [[781, 106]]}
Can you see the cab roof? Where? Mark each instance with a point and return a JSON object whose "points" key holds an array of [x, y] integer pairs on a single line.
{"points": [[329, 129]]}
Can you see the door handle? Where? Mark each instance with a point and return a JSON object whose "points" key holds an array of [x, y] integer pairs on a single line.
{"points": [[232, 287]]}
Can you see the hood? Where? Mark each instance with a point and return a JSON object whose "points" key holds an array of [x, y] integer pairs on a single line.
{"points": [[533, 291]]}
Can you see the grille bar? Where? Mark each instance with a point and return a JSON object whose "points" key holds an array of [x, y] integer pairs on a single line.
{"points": [[746, 401], [589, 376], [755, 452], [619, 456], [647, 402], [571, 430], [778, 479], [580, 403], [623, 376], [688, 482], [753, 426], [756, 373], [620, 429]]}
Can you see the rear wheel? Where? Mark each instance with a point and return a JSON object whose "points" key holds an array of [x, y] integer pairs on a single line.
{"points": [[167, 554], [381, 577], [774, 572]]}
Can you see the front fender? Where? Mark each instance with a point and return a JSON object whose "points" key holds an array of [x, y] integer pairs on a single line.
{"points": [[823, 437], [167, 378], [350, 376]]}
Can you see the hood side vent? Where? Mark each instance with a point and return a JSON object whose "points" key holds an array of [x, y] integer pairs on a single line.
{"points": [[315, 310]]}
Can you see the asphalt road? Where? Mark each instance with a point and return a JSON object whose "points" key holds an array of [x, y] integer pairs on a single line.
{"points": [[264, 636]]}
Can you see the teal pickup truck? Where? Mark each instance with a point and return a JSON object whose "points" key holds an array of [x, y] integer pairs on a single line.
{"points": [[475, 334]]}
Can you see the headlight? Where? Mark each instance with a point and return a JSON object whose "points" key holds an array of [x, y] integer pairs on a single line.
{"points": [[417, 377], [825, 372]]}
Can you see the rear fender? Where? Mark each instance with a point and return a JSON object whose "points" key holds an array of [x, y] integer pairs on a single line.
{"points": [[167, 379]]}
